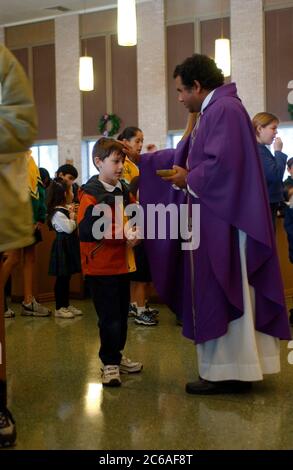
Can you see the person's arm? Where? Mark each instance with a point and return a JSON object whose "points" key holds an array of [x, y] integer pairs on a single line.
{"points": [[281, 158], [18, 121], [90, 229], [274, 166], [42, 204]]}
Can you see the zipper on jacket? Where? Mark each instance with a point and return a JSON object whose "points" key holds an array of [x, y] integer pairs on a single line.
{"points": [[93, 252]]}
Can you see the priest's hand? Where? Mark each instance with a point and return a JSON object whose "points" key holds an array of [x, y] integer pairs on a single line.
{"points": [[128, 150], [179, 179]]}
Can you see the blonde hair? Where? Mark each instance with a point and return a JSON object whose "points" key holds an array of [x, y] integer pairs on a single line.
{"points": [[191, 120], [263, 120]]}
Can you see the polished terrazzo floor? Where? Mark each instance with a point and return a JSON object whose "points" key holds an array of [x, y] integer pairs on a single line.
{"points": [[56, 396]]}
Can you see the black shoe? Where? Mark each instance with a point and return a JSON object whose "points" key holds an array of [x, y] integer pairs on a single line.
{"points": [[291, 316], [145, 319], [7, 428], [153, 311], [205, 387]]}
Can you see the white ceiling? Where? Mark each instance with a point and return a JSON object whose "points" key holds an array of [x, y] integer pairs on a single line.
{"points": [[20, 11]]}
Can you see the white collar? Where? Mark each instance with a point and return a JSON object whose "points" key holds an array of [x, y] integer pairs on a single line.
{"points": [[110, 187], [206, 101]]}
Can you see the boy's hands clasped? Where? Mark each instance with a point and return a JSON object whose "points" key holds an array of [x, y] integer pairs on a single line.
{"points": [[133, 236]]}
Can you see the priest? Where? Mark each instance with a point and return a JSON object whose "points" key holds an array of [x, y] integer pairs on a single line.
{"points": [[228, 290]]}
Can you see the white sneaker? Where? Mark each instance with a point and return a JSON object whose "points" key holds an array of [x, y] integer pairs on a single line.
{"points": [[9, 313], [76, 312], [129, 367], [111, 376], [34, 309], [63, 313]]}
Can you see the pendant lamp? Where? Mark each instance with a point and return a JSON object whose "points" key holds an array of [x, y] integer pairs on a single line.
{"points": [[86, 73], [222, 55], [126, 23], [222, 50], [86, 69]]}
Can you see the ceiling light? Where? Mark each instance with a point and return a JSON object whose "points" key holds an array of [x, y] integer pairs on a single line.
{"points": [[126, 23]]}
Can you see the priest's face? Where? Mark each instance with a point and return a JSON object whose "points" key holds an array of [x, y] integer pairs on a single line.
{"points": [[190, 97]]}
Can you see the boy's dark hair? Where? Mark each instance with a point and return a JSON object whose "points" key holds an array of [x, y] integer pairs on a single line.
{"points": [[56, 197], [201, 68], [128, 133], [290, 162], [104, 147], [67, 169]]}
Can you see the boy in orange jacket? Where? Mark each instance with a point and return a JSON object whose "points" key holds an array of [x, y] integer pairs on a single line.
{"points": [[107, 256]]}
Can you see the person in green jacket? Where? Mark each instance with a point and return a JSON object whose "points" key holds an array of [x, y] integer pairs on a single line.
{"points": [[30, 307], [18, 128]]}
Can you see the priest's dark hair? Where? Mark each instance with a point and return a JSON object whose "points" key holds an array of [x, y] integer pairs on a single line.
{"points": [[201, 68]]}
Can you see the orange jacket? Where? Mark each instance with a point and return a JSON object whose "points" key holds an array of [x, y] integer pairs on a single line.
{"points": [[101, 256]]}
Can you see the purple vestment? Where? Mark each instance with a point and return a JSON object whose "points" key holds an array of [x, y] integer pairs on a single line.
{"points": [[225, 173]]}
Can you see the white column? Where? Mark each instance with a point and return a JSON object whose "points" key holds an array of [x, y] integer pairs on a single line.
{"points": [[2, 35], [69, 122], [151, 65], [247, 50]]}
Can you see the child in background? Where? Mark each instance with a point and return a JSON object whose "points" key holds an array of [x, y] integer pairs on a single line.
{"points": [[45, 177], [69, 174], [134, 136], [106, 258], [65, 257], [288, 183], [30, 307], [266, 128], [141, 278], [288, 221]]}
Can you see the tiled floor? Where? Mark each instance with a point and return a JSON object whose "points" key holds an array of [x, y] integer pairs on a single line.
{"points": [[56, 396]]}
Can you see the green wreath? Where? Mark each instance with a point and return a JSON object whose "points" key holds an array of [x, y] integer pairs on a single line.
{"points": [[290, 110], [108, 130]]}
